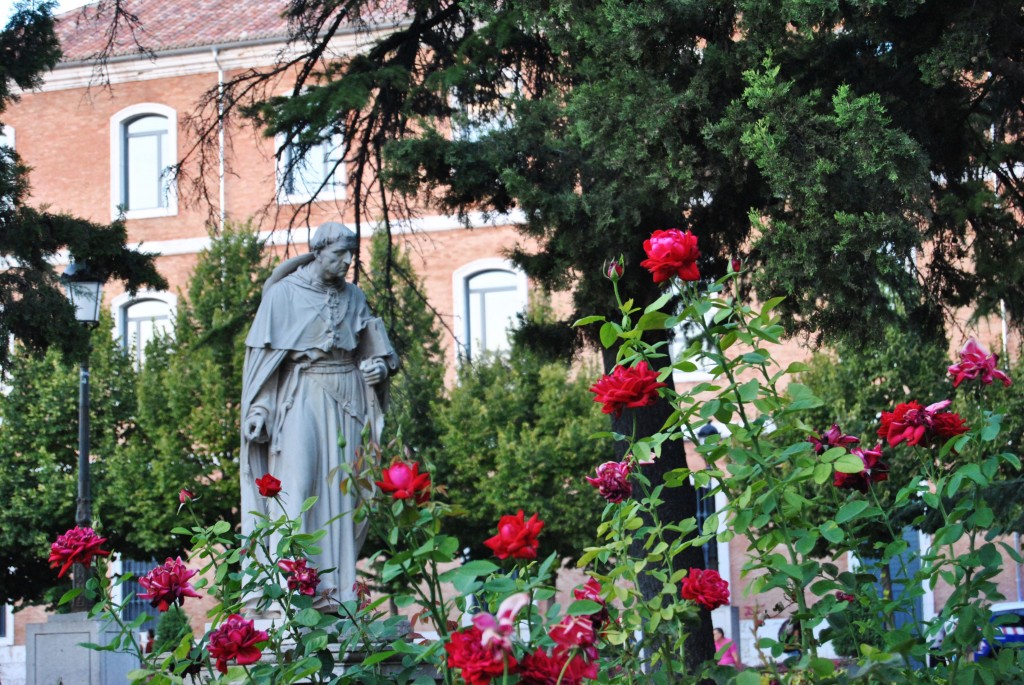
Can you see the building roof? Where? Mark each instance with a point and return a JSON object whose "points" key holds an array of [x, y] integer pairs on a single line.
{"points": [[168, 25]]}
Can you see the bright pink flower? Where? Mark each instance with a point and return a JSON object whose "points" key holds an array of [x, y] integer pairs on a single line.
{"points": [[404, 481], [76, 546], [479, 664], [833, 437], [301, 578], [517, 537], [705, 587], [874, 470], [592, 591], [575, 632], [269, 486], [236, 639], [168, 584], [917, 425], [185, 495], [672, 253], [496, 630], [977, 362], [627, 387], [540, 668], [612, 480]]}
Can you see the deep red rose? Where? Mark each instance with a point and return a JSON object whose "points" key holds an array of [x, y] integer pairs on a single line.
{"points": [[185, 495], [672, 253], [168, 584], [613, 270], [540, 668], [517, 537], [977, 362], [404, 481], [705, 587], [736, 266], [948, 425], [269, 486], [479, 664], [76, 546], [845, 597], [592, 590], [833, 437], [236, 639], [917, 425], [612, 481], [301, 578], [575, 632], [627, 387], [874, 470]]}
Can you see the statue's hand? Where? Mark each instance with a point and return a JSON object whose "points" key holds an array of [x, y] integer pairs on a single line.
{"points": [[373, 370], [255, 427]]}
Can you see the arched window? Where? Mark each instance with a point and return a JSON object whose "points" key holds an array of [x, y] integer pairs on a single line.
{"points": [[317, 171], [144, 149], [489, 294], [138, 320]]}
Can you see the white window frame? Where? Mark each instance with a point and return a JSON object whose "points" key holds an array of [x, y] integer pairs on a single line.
{"points": [[676, 348], [119, 310], [334, 190], [117, 124], [7, 637], [460, 281], [8, 133]]}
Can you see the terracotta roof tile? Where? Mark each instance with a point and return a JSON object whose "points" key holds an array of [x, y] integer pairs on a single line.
{"points": [[170, 25]]}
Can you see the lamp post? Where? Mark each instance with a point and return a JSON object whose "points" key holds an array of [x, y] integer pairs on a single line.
{"points": [[83, 289]]}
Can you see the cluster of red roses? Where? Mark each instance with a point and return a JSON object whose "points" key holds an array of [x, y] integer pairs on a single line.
{"points": [[484, 651]]}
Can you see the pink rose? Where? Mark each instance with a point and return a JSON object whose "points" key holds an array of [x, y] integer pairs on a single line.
{"points": [[977, 362], [404, 481], [672, 253], [496, 630], [168, 584], [612, 481]]}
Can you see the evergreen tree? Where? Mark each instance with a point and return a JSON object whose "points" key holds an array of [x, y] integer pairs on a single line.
{"points": [[33, 308]]}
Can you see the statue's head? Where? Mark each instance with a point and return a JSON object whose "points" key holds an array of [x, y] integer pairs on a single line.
{"points": [[333, 232]]}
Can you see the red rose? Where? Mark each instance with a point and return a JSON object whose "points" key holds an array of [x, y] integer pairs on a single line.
{"points": [[76, 546], [479, 664], [185, 495], [672, 253], [575, 632], [540, 668], [236, 639], [612, 481], [269, 486], [517, 537], [705, 587], [917, 425], [613, 270], [168, 584], [874, 470], [301, 578], [845, 597], [975, 362], [404, 481], [592, 591], [627, 387]]}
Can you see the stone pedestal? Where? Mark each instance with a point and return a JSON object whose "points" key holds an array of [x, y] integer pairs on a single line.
{"points": [[54, 655]]}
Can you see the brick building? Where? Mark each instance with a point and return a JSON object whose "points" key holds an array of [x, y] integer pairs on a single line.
{"points": [[99, 148]]}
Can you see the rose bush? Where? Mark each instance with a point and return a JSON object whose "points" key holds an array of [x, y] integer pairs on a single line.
{"points": [[612, 632]]}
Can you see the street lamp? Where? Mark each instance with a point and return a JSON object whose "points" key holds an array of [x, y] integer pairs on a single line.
{"points": [[83, 289]]}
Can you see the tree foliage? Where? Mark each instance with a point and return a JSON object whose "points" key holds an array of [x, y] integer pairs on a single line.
{"points": [[516, 435], [34, 308]]}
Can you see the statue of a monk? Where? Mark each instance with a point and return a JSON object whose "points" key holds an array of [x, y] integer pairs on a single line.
{"points": [[316, 368]]}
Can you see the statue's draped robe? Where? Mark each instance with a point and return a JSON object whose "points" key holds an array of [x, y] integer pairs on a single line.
{"points": [[302, 373]]}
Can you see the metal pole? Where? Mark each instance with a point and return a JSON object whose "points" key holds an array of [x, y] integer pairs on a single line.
{"points": [[83, 512]]}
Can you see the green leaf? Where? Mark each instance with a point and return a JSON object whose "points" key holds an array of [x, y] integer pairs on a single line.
{"points": [[583, 607], [748, 391], [586, 320], [772, 304], [849, 463], [831, 532], [609, 334], [308, 504], [378, 657], [69, 595], [851, 510], [659, 303], [308, 617], [221, 527]]}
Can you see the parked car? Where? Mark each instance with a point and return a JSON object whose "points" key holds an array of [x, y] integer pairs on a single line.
{"points": [[1010, 630]]}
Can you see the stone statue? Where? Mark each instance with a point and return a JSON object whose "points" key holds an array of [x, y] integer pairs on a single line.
{"points": [[316, 368]]}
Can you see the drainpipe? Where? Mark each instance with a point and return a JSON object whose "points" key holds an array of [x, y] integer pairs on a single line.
{"points": [[220, 134]]}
